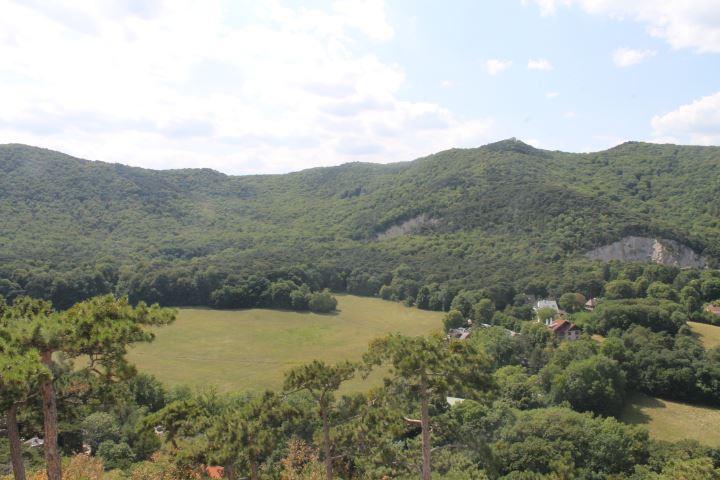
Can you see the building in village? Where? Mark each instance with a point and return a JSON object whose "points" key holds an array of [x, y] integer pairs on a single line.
{"points": [[458, 333], [565, 330], [591, 304], [540, 304]]}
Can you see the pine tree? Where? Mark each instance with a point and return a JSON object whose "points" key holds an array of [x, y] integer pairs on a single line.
{"points": [[432, 367], [321, 380]]}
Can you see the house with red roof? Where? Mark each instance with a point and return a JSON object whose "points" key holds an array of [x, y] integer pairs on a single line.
{"points": [[714, 309], [565, 330]]}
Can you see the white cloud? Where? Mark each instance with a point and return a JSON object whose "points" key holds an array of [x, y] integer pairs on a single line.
{"points": [[539, 64], [551, 95], [547, 7], [625, 57], [237, 86], [569, 114], [447, 84], [682, 23], [495, 66], [697, 122]]}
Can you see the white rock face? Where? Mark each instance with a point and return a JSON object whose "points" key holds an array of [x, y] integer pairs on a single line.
{"points": [[408, 226], [645, 249]]}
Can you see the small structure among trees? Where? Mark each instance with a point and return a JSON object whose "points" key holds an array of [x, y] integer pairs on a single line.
{"points": [[458, 333], [565, 330], [540, 304], [591, 304]]}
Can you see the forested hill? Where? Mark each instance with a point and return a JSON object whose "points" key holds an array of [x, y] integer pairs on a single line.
{"points": [[502, 214]]}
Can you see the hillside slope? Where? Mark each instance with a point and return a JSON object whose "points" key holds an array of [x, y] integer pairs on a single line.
{"points": [[502, 213]]}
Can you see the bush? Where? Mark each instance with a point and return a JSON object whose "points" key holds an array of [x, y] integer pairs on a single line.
{"points": [[148, 391], [299, 299], [322, 302], [99, 427], [572, 302], [454, 319], [596, 384], [116, 455], [662, 291], [619, 289], [483, 311]]}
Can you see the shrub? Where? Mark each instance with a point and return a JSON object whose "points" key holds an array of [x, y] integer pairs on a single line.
{"points": [[322, 302], [116, 455]]}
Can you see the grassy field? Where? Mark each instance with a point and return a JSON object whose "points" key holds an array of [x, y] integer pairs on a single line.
{"points": [[250, 349], [709, 334], [674, 421]]}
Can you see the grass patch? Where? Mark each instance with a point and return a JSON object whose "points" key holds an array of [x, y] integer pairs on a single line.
{"points": [[709, 334], [251, 349], [673, 421]]}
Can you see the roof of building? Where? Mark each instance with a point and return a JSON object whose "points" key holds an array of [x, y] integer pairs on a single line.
{"points": [[215, 472], [547, 304], [459, 333], [713, 309], [563, 326], [35, 442]]}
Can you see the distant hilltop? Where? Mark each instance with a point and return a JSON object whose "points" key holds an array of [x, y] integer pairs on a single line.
{"points": [[505, 215]]}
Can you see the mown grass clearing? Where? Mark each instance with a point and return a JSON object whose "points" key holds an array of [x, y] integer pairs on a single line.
{"points": [[709, 334], [250, 349], [673, 421]]}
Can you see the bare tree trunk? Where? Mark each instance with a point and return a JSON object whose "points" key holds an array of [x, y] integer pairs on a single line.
{"points": [[254, 475], [326, 442], [425, 425], [18, 465], [50, 417], [230, 472]]}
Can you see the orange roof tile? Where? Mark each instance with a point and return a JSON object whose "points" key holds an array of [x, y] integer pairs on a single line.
{"points": [[216, 472]]}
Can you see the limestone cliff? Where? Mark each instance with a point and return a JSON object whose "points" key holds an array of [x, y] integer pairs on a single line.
{"points": [[645, 249]]}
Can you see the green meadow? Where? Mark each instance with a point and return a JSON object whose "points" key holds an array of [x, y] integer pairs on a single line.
{"points": [[709, 334], [250, 349], [673, 421]]}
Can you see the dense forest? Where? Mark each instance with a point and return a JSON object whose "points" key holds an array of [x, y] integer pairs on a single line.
{"points": [[504, 216]]}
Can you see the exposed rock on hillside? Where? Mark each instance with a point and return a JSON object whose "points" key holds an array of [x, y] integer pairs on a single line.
{"points": [[645, 249], [408, 226]]}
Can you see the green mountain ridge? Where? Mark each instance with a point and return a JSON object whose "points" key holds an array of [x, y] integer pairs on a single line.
{"points": [[504, 212]]}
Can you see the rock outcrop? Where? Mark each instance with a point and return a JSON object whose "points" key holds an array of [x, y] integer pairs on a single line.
{"points": [[645, 249], [408, 226]]}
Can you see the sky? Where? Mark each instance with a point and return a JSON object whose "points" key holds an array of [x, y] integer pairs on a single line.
{"points": [[250, 87]]}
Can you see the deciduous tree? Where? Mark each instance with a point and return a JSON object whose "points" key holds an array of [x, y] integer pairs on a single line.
{"points": [[572, 302]]}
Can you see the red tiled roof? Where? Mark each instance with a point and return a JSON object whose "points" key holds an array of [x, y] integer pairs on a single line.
{"points": [[562, 326], [713, 309], [215, 472]]}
